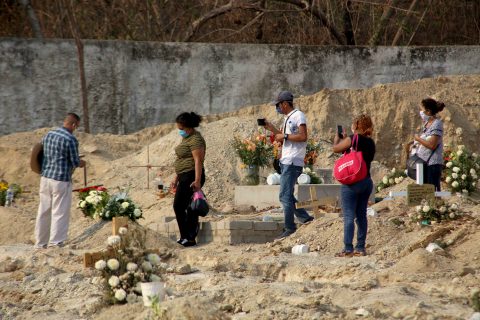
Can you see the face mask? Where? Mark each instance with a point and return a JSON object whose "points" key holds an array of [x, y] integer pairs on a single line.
{"points": [[424, 117], [279, 110], [183, 133]]}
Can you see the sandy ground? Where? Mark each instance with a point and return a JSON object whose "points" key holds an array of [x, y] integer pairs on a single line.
{"points": [[399, 279]]}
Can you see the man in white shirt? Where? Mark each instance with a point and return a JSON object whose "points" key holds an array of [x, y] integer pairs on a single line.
{"points": [[294, 137]]}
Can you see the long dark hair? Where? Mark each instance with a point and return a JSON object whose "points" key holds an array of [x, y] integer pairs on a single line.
{"points": [[433, 105], [189, 119]]}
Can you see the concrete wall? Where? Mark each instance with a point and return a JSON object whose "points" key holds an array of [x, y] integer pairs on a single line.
{"points": [[133, 85]]}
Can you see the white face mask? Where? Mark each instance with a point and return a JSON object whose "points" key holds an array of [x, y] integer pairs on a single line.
{"points": [[424, 117]]}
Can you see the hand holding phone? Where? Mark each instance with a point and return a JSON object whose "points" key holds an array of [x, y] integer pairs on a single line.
{"points": [[340, 131], [261, 122]]}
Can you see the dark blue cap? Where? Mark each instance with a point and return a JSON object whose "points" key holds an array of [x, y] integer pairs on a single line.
{"points": [[283, 96]]}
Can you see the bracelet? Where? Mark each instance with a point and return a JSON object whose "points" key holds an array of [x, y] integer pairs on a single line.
{"points": [[286, 137]]}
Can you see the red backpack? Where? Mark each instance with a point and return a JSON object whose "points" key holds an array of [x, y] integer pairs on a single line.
{"points": [[351, 167]]}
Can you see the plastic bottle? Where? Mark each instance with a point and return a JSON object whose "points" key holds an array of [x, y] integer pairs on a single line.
{"points": [[9, 197]]}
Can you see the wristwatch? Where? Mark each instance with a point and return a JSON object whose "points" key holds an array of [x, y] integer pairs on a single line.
{"points": [[286, 137]]}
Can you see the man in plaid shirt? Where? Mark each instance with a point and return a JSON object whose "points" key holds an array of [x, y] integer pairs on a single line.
{"points": [[60, 158]]}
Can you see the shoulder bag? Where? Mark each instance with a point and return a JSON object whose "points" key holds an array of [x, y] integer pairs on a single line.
{"points": [[351, 167], [412, 163]]}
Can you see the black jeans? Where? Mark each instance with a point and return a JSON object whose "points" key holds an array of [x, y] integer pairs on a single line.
{"points": [[187, 222], [433, 175]]}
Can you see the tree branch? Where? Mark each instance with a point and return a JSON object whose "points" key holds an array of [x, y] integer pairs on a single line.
{"points": [[404, 22], [318, 13], [387, 14], [347, 23], [230, 6], [32, 18], [68, 8]]}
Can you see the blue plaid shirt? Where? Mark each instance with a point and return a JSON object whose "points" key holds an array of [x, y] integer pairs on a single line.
{"points": [[60, 155]]}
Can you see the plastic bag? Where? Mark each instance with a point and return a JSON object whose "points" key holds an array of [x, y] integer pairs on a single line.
{"points": [[199, 205]]}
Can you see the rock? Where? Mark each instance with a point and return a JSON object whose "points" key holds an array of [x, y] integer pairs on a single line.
{"points": [[9, 265], [227, 307], [421, 304], [185, 269], [432, 247], [90, 148], [362, 312], [466, 270], [475, 316]]}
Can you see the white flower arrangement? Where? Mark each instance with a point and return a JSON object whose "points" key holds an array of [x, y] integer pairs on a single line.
{"points": [[125, 205], [137, 212], [120, 294], [100, 265], [434, 211], [127, 268], [114, 281], [394, 177], [113, 240], [113, 264], [462, 166], [132, 266], [147, 266], [155, 278], [153, 258]]}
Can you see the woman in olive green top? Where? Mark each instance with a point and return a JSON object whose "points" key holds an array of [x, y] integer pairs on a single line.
{"points": [[190, 175]]}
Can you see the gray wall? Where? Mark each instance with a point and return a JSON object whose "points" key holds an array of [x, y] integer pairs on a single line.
{"points": [[133, 85]]}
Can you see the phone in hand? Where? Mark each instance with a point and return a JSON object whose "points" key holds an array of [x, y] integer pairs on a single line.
{"points": [[261, 122], [340, 131]]}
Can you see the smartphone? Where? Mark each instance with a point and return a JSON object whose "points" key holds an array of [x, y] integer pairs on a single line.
{"points": [[261, 122], [340, 131]]}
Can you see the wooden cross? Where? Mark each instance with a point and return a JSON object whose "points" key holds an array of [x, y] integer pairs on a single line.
{"points": [[148, 166], [314, 202], [416, 192]]}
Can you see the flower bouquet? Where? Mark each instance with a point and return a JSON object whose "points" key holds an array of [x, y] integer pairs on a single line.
{"points": [[461, 169], [126, 268], [96, 202], [394, 177], [92, 200], [431, 212], [312, 152], [254, 152], [120, 205], [3, 191], [314, 178]]}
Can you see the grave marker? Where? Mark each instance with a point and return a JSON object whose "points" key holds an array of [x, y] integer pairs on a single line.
{"points": [[148, 166], [314, 202], [416, 193]]}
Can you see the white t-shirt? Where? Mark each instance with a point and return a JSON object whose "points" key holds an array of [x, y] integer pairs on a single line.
{"points": [[293, 152]]}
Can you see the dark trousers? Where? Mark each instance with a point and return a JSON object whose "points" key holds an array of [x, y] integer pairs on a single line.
{"points": [[433, 175], [187, 222], [354, 205]]}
